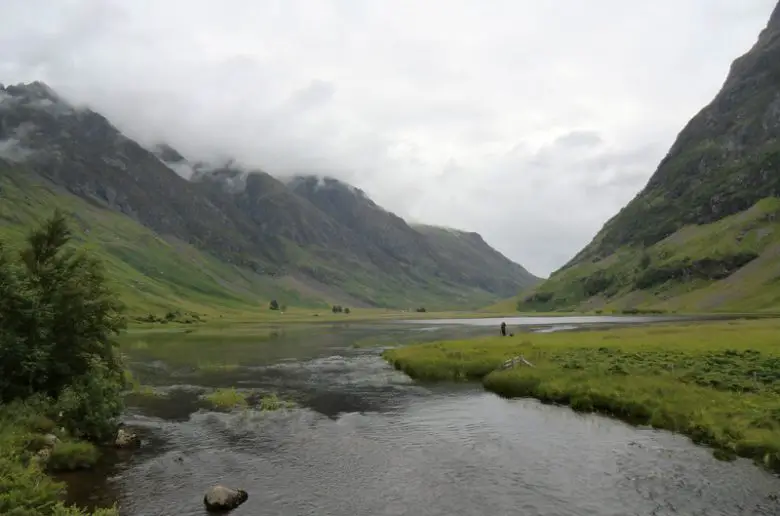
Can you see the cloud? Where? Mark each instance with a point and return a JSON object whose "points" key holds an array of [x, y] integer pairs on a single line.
{"points": [[529, 122]]}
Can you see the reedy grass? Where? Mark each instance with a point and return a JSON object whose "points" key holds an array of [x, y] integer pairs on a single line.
{"points": [[25, 488], [227, 398], [230, 398], [717, 382]]}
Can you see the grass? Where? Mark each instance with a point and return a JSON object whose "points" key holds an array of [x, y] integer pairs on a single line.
{"points": [[72, 455], [25, 487], [227, 398], [727, 266], [717, 382], [152, 273], [230, 398], [156, 274]]}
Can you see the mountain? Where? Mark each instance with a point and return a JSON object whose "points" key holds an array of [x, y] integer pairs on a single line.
{"points": [[287, 239], [422, 251], [703, 233], [473, 256]]}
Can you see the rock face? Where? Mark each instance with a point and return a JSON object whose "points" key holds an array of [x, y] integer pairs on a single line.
{"points": [[723, 161], [220, 498], [126, 439], [702, 234]]}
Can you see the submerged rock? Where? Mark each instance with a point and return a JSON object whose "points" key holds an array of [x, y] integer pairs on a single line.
{"points": [[220, 498], [126, 439]]}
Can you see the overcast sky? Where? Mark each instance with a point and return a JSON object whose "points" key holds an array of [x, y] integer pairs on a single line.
{"points": [[531, 122]]}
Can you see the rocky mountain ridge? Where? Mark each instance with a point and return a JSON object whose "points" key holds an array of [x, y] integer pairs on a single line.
{"points": [[333, 237]]}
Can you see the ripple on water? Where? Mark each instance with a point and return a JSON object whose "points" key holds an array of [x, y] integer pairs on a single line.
{"points": [[371, 442], [461, 454]]}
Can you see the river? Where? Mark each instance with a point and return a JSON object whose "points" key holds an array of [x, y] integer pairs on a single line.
{"points": [[366, 440]]}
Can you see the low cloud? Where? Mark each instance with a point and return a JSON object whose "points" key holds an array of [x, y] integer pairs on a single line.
{"points": [[528, 122]]}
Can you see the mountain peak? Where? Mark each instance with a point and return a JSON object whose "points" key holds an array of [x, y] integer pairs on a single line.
{"points": [[774, 20], [33, 91]]}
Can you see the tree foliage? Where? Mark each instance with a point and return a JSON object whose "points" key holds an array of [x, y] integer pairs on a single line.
{"points": [[58, 318]]}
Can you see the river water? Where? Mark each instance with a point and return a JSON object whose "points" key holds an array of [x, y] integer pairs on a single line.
{"points": [[366, 440]]}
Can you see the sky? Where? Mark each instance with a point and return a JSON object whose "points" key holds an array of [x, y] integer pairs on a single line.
{"points": [[529, 122]]}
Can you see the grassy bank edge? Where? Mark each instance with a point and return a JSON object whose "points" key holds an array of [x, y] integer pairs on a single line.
{"points": [[32, 447], [633, 399]]}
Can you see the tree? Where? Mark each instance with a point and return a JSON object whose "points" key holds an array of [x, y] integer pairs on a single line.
{"points": [[58, 317], [346, 310], [274, 305]]}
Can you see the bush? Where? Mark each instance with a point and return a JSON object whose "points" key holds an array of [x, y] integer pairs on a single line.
{"points": [[274, 305], [58, 366], [25, 489], [90, 405], [69, 456], [56, 315]]}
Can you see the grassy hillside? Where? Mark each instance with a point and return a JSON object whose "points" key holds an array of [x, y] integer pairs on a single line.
{"points": [[476, 261], [731, 265], [330, 243], [153, 274], [702, 234]]}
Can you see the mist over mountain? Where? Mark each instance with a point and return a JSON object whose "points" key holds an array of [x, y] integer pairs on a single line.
{"points": [[323, 234]]}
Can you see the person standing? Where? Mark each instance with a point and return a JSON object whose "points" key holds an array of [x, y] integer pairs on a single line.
{"points": [[503, 329]]}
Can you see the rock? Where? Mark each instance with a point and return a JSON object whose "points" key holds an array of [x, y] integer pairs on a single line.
{"points": [[126, 439], [43, 455], [50, 440], [220, 498]]}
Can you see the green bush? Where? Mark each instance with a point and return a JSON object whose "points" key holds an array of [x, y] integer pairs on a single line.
{"points": [[68, 456], [58, 367], [56, 315], [90, 405]]}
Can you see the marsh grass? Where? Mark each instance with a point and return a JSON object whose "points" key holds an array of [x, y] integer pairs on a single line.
{"points": [[717, 382], [72, 455], [227, 398]]}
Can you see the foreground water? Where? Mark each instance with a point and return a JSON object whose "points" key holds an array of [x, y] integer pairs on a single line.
{"points": [[369, 441]]}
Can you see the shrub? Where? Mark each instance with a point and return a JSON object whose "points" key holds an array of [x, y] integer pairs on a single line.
{"points": [[56, 315], [69, 456], [90, 405]]}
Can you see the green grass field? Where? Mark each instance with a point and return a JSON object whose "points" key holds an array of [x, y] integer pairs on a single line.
{"points": [[717, 382]]}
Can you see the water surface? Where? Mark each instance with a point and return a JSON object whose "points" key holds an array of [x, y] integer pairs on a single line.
{"points": [[367, 440]]}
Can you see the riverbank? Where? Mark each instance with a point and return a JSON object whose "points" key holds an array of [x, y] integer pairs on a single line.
{"points": [[33, 446], [717, 382]]}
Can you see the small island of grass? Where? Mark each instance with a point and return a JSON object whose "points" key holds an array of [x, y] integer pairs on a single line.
{"points": [[717, 382]]}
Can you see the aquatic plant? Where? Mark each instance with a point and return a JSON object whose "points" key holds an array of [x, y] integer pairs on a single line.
{"points": [[227, 398]]}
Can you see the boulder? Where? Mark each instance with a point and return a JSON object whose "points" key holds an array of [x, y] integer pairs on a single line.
{"points": [[126, 439], [50, 440], [220, 498]]}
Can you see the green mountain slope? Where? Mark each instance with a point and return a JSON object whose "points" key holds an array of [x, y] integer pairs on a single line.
{"points": [[153, 274], [476, 261], [235, 221], [450, 256], [701, 235]]}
